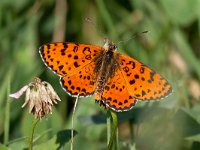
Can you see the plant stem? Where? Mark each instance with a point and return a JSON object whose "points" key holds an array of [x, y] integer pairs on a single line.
{"points": [[108, 121], [72, 130], [7, 115], [114, 130], [32, 133]]}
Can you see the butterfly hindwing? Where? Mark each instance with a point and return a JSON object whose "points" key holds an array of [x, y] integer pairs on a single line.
{"points": [[83, 83], [143, 83], [116, 94]]}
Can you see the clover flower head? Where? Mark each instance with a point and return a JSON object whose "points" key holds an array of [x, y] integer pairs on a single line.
{"points": [[40, 96]]}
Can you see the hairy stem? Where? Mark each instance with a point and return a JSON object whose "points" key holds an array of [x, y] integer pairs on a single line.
{"points": [[32, 133]]}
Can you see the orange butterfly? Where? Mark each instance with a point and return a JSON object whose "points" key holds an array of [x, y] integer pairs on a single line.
{"points": [[116, 80]]}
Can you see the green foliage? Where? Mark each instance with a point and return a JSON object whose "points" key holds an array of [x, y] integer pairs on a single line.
{"points": [[171, 47]]}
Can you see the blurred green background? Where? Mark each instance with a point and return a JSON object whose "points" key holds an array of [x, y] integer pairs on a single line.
{"points": [[171, 47]]}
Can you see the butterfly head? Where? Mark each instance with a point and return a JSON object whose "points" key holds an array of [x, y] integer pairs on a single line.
{"points": [[109, 45]]}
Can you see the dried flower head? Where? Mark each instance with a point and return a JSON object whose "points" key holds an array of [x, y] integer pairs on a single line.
{"points": [[40, 96]]}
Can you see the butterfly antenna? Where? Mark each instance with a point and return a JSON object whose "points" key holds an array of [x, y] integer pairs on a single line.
{"points": [[133, 36], [89, 20], [95, 26]]}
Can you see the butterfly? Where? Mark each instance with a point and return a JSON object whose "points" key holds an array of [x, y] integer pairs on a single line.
{"points": [[115, 80]]}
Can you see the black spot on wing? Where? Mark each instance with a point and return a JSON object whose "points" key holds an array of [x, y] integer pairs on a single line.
{"points": [[60, 67], [143, 93], [126, 69], [136, 76], [75, 57], [132, 63], [142, 69], [75, 49], [76, 64], [65, 45], [132, 81], [86, 50]]}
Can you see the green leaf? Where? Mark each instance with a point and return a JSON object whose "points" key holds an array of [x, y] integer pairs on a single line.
{"points": [[58, 140], [186, 123], [195, 138], [181, 12], [3, 147], [20, 143]]}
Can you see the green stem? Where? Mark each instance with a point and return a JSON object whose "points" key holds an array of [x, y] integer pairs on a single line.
{"points": [[32, 133], [72, 130], [116, 139], [114, 131], [108, 121], [7, 115], [131, 123]]}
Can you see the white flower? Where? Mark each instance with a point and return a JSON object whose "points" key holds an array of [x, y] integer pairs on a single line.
{"points": [[40, 96]]}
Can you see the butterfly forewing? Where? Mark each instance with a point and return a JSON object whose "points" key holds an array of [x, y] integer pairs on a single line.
{"points": [[67, 58]]}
